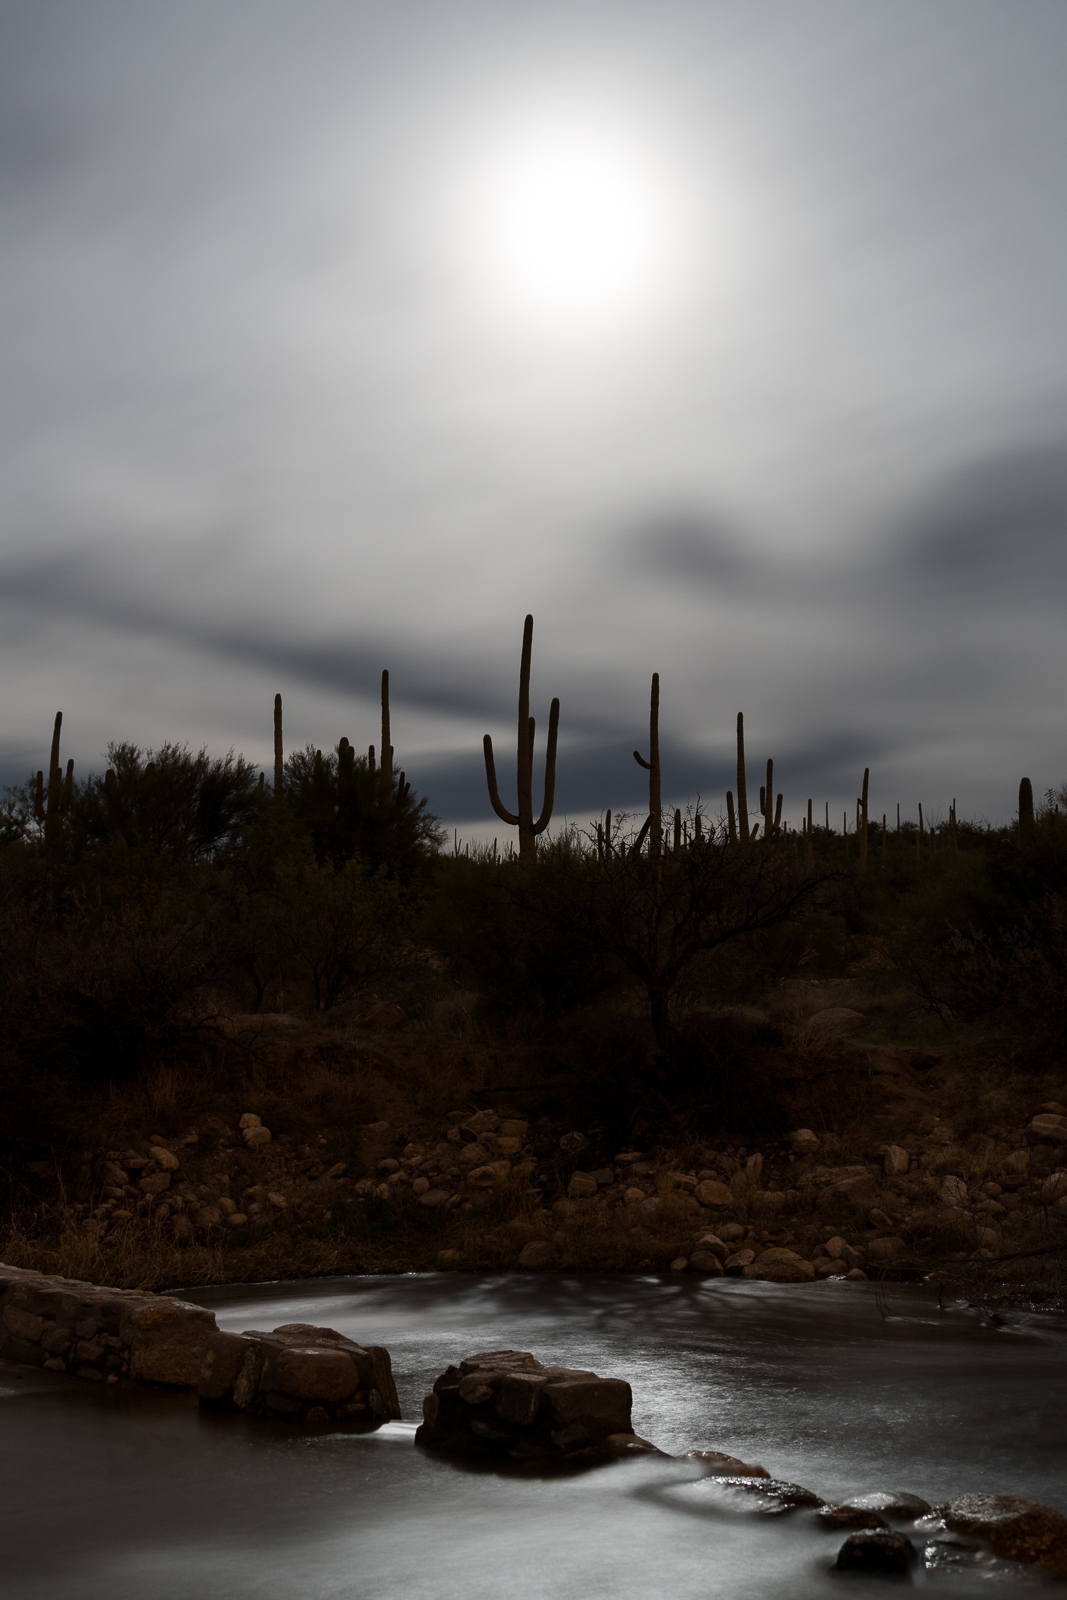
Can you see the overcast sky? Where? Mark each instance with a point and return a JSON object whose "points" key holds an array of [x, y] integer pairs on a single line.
{"points": [[729, 340]]}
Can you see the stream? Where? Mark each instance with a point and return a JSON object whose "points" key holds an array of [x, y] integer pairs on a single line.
{"points": [[123, 1492]]}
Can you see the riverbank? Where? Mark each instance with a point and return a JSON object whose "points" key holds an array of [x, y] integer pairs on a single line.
{"points": [[386, 1148]]}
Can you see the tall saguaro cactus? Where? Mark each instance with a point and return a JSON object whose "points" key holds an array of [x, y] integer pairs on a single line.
{"points": [[51, 805], [652, 767], [529, 830], [385, 765], [279, 749], [863, 817], [1026, 806], [744, 834]]}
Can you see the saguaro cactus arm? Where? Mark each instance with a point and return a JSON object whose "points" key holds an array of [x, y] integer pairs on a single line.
{"points": [[550, 766], [494, 793], [652, 767]]}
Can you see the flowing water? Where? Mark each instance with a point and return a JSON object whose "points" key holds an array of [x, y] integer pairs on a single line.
{"points": [[109, 1494]]}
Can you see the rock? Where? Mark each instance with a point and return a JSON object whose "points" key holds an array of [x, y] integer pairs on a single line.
{"points": [[714, 1194], [227, 1206], [764, 1496], [857, 1275], [166, 1339], [882, 1250], [208, 1217], [278, 1201], [421, 1186], [156, 1184], [510, 1147], [881, 1554], [582, 1186], [896, 1161], [506, 1403], [1054, 1108], [299, 1373], [1019, 1530], [680, 1264], [250, 1120], [880, 1220], [236, 1219], [513, 1128], [620, 1446], [254, 1137], [848, 1516], [492, 1175], [536, 1255], [952, 1191], [649, 1207], [633, 1197], [731, 1232], [1054, 1187], [803, 1141], [780, 1266], [483, 1122], [892, 1503], [717, 1465], [712, 1242], [705, 1260], [572, 1143], [1048, 1128], [164, 1159], [470, 1155], [433, 1198], [739, 1260], [831, 1268], [383, 1017]]}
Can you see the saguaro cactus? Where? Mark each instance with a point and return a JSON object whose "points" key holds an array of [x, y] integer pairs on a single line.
{"points": [[651, 766], [1026, 806], [51, 806], [772, 814], [279, 751], [385, 790], [863, 817], [524, 820], [743, 832]]}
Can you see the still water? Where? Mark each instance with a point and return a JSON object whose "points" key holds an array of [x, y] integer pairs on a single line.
{"points": [[116, 1494]]}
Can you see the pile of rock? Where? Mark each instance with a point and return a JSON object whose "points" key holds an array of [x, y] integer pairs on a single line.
{"points": [[97, 1333], [506, 1403], [298, 1373]]}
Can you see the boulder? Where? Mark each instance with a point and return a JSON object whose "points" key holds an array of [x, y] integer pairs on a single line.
{"points": [[704, 1259], [803, 1141], [255, 1137], [714, 1194], [952, 1191], [537, 1255], [896, 1160], [780, 1266], [166, 1338], [898, 1505], [1047, 1128], [883, 1555], [847, 1516], [506, 1403], [582, 1186], [764, 1496], [299, 1373], [712, 1242], [1019, 1530], [738, 1261], [880, 1251]]}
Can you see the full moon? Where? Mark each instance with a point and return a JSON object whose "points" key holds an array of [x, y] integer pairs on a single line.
{"points": [[570, 225]]}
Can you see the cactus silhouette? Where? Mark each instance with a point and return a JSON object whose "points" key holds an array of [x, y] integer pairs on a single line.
{"points": [[51, 805], [1026, 805], [651, 766], [529, 830]]}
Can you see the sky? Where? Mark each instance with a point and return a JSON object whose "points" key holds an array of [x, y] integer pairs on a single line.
{"points": [[727, 340]]}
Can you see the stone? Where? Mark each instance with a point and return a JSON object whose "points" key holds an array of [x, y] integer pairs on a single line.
{"points": [[433, 1198], [857, 1275], [880, 1220], [513, 1128], [879, 1553], [780, 1266], [508, 1147], [506, 1402], [155, 1184], [621, 1446], [680, 1263], [764, 1496], [712, 1242], [300, 1373], [220, 1363], [582, 1186], [572, 1143], [714, 1194], [255, 1137], [1019, 1530], [491, 1175], [836, 1022], [166, 1339], [896, 1161], [250, 1120], [483, 1122], [278, 1201], [883, 1250], [470, 1155], [23, 1324], [683, 1180], [718, 1465], [831, 1268], [633, 1197], [739, 1260], [705, 1260], [804, 1141], [236, 1219], [952, 1191], [730, 1232], [649, 1207], [1048, 1128], [536, 1255], [420, 1186], [897, 1504], [849, 1516], [1054, 1187], [164, 1159]]}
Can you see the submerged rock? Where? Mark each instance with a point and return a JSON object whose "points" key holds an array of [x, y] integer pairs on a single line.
{"points": [[717, 1465], [898, 1505], [506, 1403], [300, 1373], [1017, 1529], [764, 1496], [882, 1555], [847, 1516]]}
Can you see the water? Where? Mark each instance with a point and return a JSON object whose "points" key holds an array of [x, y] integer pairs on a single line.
{"points": [[117, 1493]]}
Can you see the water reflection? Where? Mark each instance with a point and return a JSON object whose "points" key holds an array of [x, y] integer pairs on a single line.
{"points": [[120, 1493]]}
